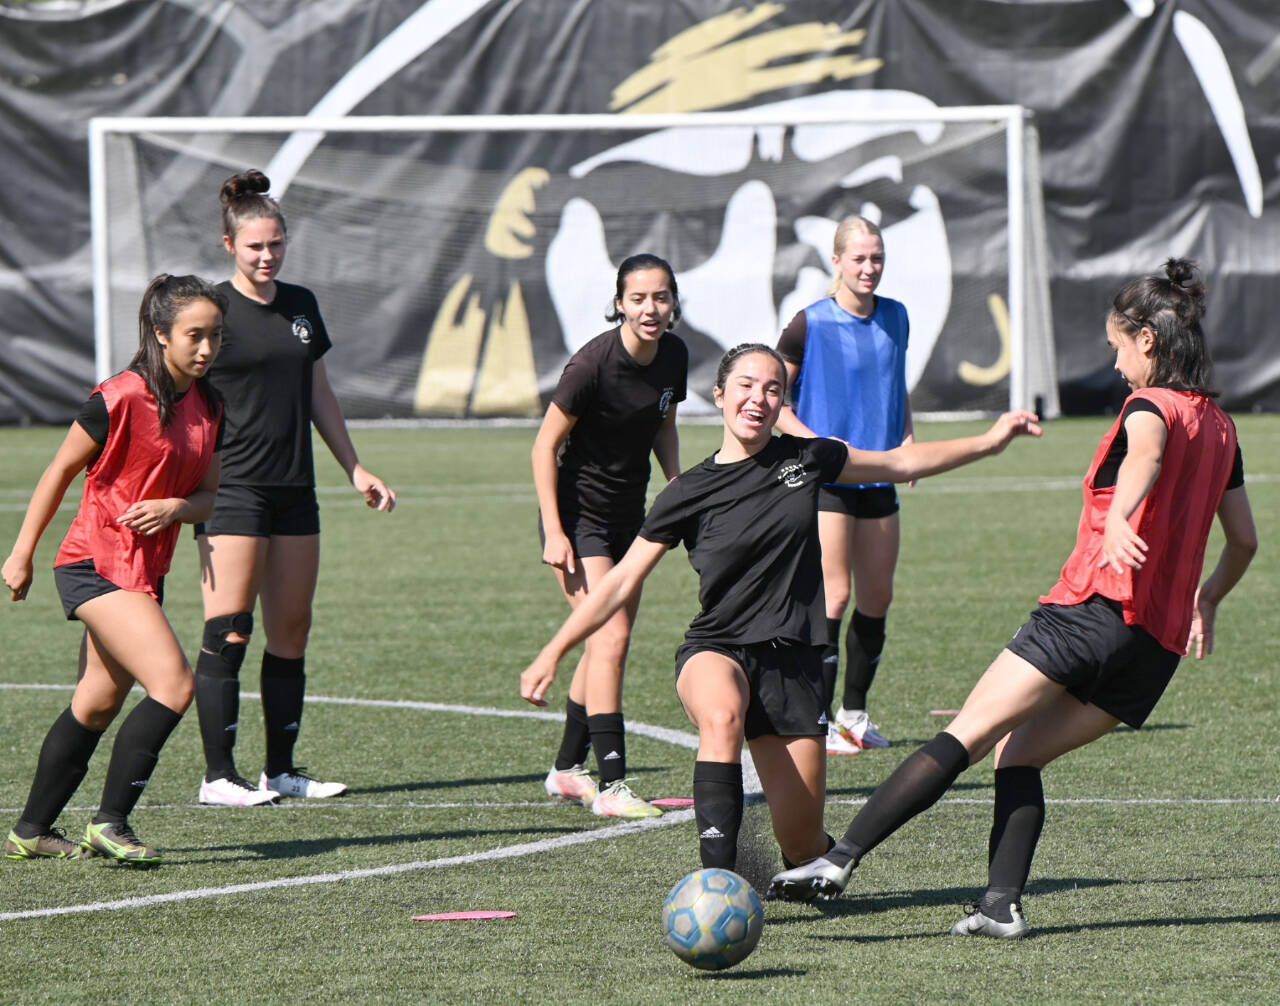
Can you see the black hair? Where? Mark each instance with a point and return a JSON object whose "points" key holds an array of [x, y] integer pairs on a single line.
{"points": [[1171, 306], [166, 296], [745, 349], [244, 197], [635, 263]]}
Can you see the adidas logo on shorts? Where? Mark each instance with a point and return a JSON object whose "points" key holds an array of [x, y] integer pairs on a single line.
{"points": [[612, 756], [712, 832]]}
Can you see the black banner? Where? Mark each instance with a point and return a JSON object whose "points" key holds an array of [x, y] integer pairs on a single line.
{"points": [[1157, 126]]}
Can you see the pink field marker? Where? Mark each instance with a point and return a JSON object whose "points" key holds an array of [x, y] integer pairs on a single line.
{"points": [[673, 801], [461, 916]]}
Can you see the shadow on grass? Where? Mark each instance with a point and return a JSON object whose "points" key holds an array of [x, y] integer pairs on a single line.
{"points": [[866, 791], [749, 974], [1264, 918], [414, 787], [527, 779], [296, 848], [868, 904]]}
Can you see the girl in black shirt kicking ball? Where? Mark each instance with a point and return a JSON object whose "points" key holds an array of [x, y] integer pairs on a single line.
{"points": [[750, 666]]}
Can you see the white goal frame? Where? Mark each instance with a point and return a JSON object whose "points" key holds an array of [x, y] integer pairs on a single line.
{"points": [[303, 133]]}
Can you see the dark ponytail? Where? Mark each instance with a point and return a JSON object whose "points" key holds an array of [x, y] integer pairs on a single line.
{"points": [[1171, 306], [165, 296], [244, 198]]}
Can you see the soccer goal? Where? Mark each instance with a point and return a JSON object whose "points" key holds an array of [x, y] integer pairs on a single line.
{"points": [[459, 260]]}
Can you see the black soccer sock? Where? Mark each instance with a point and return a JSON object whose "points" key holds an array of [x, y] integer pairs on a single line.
{"points": [[1015, 830], [863, 643], [133, 758], [609, 744], [60, 768], [284, 683], [576, 740], [717, 809], [915, 786], [218, 708], [830, 663]]}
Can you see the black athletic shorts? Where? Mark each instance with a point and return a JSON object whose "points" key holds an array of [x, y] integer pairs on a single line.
{"points": [[261, 511], [867, 504], [78, 582], [589, 537], [1088, 648], [785, 679]]}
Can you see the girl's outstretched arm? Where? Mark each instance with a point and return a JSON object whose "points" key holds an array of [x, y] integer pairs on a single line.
{"points": [[603, 599], [921, 458]]}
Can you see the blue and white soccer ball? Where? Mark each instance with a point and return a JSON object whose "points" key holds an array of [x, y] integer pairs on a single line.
{"points": [[712, 919]]}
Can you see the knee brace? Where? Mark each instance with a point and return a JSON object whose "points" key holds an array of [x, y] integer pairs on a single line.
{"points": [[215, 636]]}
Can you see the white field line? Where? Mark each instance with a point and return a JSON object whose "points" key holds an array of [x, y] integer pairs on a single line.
{"points": [[522, 492], [506, 852], [677, 737]]}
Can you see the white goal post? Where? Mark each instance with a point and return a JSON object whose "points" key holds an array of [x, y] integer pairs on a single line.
{"points": [[445, 250]]}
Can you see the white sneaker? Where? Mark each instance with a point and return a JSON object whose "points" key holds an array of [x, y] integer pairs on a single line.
{"points": [[235, 791], [296, 782], [837, 745], [857, 728], [617, 800], [572, 785]]}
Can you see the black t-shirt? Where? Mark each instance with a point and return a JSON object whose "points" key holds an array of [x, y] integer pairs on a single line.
{"points": [[263, 373], [93, 419], [751, 528], [619, 406], [1110, 467]]}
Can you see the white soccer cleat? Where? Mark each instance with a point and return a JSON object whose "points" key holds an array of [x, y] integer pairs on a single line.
{"points": [[977, 924], [235, 791], [617, 800], [856, 728], [572, 785], [836, 743], [296, 783]]}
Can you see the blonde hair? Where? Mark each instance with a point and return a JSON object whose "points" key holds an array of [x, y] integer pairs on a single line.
{"points": [[849, 225]]}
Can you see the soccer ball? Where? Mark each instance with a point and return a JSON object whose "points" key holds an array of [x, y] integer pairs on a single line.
{"points": [[712, 919]]}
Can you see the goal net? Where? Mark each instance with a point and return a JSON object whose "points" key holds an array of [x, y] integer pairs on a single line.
{"points": [[459, 260]]}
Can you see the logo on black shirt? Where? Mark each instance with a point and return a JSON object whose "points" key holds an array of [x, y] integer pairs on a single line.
{"points": [[664, 402], [302, 329], [792, 475]]}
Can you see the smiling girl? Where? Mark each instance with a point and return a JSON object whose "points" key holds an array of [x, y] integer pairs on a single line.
{"points": [[616, 402], [147, 439], [750, 667]]}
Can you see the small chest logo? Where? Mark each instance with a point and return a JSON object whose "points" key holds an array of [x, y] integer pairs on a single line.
{"points": [[302, 329], [664, 401], [792, 475]]}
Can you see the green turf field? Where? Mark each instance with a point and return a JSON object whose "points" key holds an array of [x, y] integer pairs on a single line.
{"points": [[1156, 880]]}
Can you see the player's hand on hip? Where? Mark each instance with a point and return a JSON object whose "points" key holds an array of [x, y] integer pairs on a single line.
{"points": [[146, 517], [1121, 547]]}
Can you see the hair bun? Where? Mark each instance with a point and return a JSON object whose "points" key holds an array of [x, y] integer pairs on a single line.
{"points": [[250, 183], [1180, 270]]}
